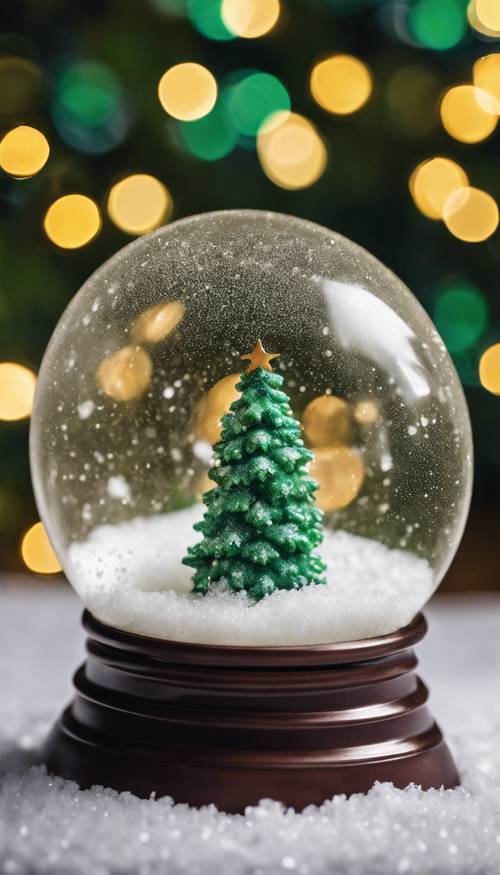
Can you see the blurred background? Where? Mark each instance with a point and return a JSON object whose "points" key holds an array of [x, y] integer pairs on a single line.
{"points": [[376, 119]]}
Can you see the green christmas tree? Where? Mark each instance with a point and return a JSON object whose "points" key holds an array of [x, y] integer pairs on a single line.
{"points": [[261, 524]]}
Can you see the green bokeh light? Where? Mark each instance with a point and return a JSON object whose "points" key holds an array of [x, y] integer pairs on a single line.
{"points": [[438, 24], [89, 91], [207, 19], [89, 108], [250, 97], [211, 137], [461, 315]]}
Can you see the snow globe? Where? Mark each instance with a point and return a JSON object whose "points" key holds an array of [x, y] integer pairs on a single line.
{"points": [[253, 458]]}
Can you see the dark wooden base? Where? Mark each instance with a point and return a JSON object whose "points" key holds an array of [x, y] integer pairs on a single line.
{"points": [[231, 725]]}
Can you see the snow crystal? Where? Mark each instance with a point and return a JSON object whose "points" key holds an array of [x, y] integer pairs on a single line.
{"points": [[117, 487], [131, 576], [85, 409], [50, 827]]}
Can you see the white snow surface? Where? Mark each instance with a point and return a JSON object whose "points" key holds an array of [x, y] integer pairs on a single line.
{"points": [[50, 827], [131, 576]]}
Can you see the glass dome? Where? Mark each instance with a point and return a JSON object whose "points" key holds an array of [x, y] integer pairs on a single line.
{"points": [[145, 361]]}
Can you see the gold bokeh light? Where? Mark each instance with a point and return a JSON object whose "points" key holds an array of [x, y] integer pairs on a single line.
{"points": [[367, 412], [486, 75], [468, 113], [214, 405], [471, 214], [23, 151], [432, 182], [290, 150], [72, 221], [139, 203], [125, 374], [339, 472], [488, 13], [326, 421], [158, 322], [489, 369], [250, 18], [341, 84], [17, 389], [37, 552], [187, 91]]}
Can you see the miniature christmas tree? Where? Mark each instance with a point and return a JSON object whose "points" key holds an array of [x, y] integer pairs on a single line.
{"points": [[261, 524]]}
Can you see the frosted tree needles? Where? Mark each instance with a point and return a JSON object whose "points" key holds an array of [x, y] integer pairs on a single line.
{"points": [[261, 524]]}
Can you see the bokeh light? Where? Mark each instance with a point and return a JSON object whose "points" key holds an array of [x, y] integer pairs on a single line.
{"points": [[125, 374], [251, 97], [158, 322], [341, 84], [489, 369], [139, 203], [476, 23], [187, 91], [250, 18], [327, 420], [211, 137], [213, 406], [366, 413], [486, 75], [37, 551], [291, 152], [432, 182], [471, 214], [206, 15], [23, 151], [89, 108], [72, 221], [438, 25], [468, 113], [339, 472], [460, 315], [17, 389], [488, 13]]}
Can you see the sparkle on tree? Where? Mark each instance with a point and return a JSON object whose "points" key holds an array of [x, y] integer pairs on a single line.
{"points": [[261, 524]]}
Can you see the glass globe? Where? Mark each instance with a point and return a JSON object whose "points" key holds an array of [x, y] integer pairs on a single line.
{"points": [[145, 361]]}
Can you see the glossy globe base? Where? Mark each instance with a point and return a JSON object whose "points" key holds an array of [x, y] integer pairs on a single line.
{"points": [[231, 725]]}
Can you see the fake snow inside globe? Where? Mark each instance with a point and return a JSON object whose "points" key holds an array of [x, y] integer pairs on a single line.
{"points": [[328, 485]]}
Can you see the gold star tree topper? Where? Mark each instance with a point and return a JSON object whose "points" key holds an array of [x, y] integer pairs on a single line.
{"points": [[259, 358]]}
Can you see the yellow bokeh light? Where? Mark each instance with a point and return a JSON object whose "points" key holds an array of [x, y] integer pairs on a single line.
{"points": [[432, 182], [23, 151], [158, 322], [250, 18], [488, 13], [37, 552], [468, 113], [17, 388], [291, 152], [489, 369], [339, 471], [214, 405], [327, 421], [125, 374], [187, 91], [367, 412], [341, 84], [139, 203], [475, 22], [72, 221], [486, 75], [471, 214]]}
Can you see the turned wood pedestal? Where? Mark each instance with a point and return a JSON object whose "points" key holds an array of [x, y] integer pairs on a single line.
{"points": [[231, 725]]}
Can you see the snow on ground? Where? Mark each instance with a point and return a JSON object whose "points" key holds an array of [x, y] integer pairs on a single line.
{"points": [[49, 827], [131, 576]]}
